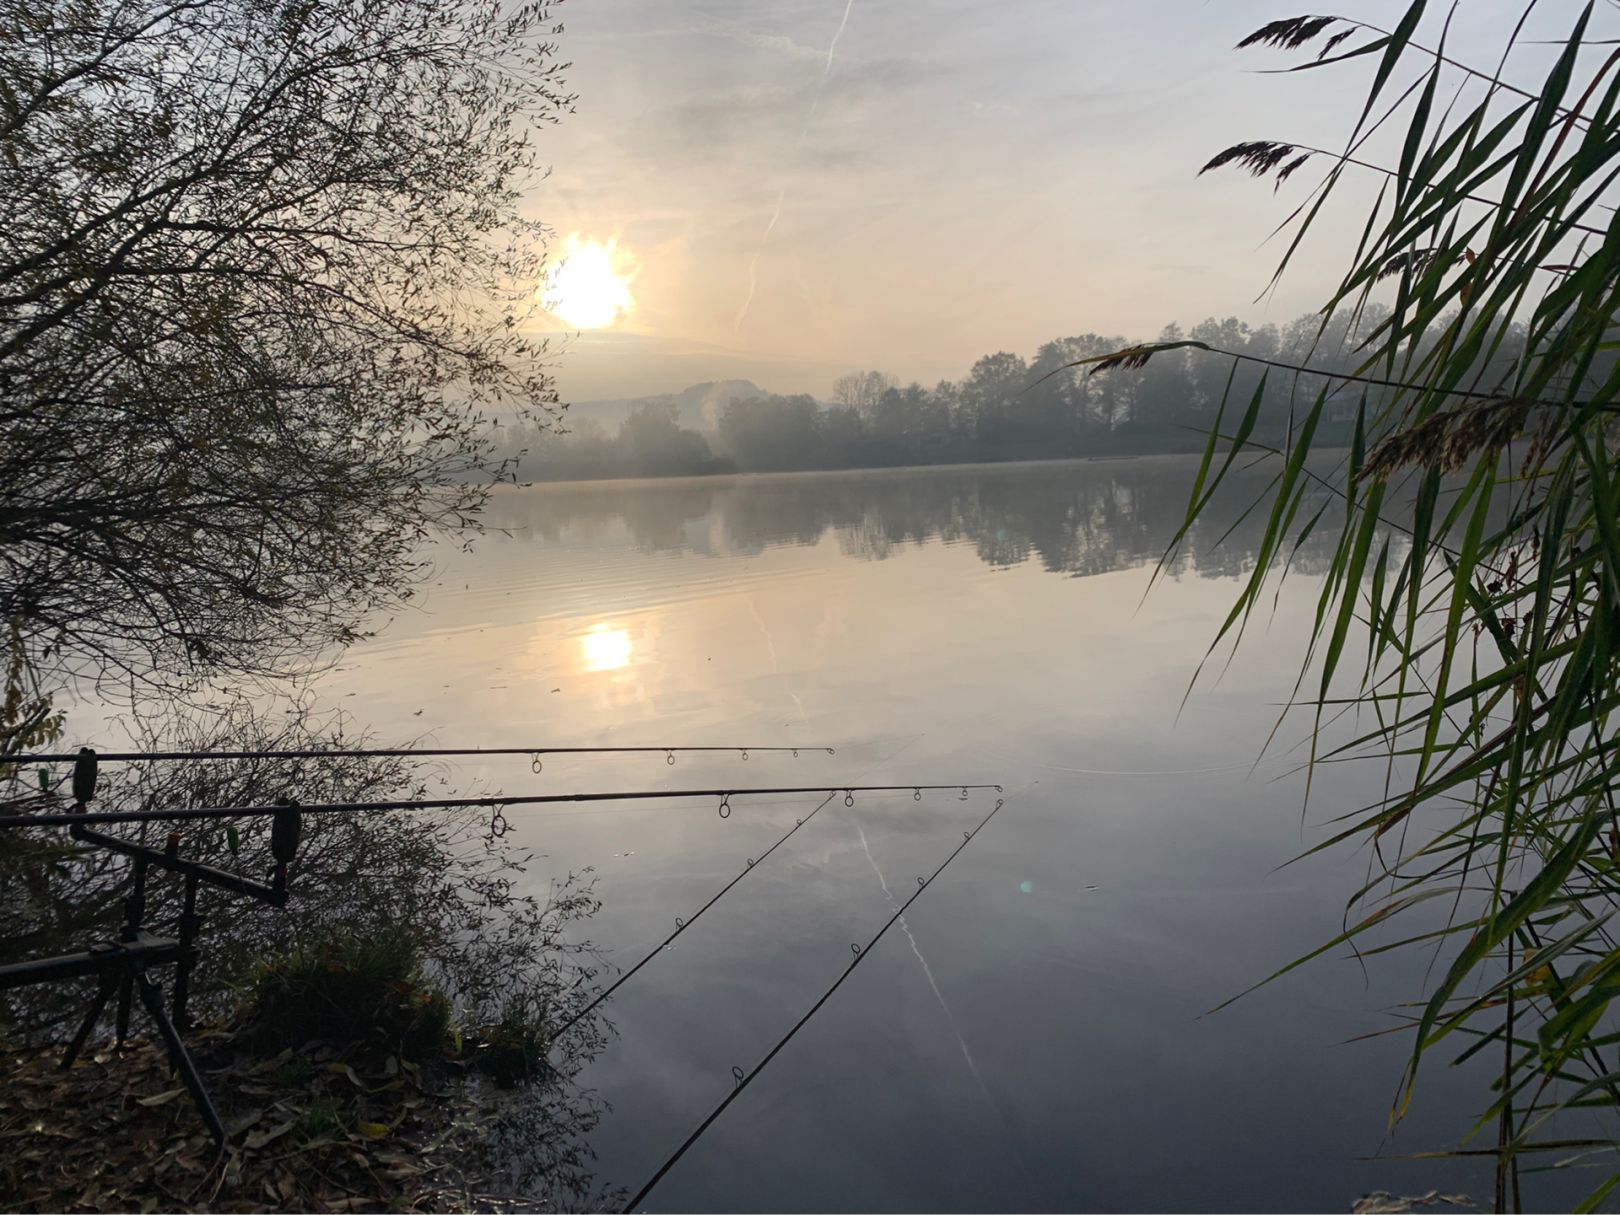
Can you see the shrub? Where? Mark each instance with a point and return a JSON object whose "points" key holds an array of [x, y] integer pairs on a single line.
{"points": [[513, 1049], [350, 990]]}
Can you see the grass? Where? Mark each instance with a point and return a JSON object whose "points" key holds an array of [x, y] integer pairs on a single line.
{"points": [[374, 992], [350, 990], [513, 1049]]}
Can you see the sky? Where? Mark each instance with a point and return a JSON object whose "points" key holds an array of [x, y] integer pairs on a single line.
{"points": [[799, 188]]}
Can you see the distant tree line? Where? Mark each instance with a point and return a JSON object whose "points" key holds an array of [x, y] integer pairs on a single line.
{"points": [[1006, 408]]}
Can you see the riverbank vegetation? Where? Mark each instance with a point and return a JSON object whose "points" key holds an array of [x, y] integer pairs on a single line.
{"points": [[264, 279], [1467, 623], [346, 1081], [417, 938]]}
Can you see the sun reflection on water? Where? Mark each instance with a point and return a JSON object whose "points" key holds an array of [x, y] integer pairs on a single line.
{"points": [[605, 649]]}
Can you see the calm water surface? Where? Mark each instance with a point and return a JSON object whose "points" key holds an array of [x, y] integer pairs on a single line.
{"points": [[1034, 1038]]}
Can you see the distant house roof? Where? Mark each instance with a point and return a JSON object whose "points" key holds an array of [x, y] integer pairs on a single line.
{"points": [[1342, 403]]}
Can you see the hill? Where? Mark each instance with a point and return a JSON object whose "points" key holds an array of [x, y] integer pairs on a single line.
{"points": [[697, 407]]}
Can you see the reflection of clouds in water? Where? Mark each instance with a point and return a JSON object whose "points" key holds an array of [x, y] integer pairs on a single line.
{"points": [[950, 1017], [1089, 1047], [776, 665], [927, 971]]}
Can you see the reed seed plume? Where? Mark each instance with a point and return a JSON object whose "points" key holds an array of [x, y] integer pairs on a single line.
{"points": [[1290, 33], [1449, 439], [1287, 171], [1413, 260], [1327, 47], [1259, 157], [1132, 358]]}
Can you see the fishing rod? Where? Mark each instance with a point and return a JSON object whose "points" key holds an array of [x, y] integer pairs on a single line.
{"points": [[387, 753], [742, 1080], [84, 817], [682, 925]]}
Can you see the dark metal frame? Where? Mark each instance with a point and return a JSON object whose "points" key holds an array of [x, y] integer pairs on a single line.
{"points": [[123, 965]]}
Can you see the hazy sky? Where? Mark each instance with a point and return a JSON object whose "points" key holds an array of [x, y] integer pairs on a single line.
{"points": [[946, 178]]}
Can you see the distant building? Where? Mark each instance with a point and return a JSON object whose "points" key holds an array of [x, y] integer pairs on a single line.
{"points": [[1342, 404]]}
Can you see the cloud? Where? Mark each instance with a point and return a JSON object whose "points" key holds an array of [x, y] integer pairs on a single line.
{"points": [[968, 179], [775, 44], [765, 122]]}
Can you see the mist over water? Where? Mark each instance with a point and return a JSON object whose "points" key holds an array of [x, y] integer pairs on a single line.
{"points": [[1038, 1041]]}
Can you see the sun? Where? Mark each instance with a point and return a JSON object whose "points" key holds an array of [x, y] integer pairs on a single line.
{"points": [[589, 287]]}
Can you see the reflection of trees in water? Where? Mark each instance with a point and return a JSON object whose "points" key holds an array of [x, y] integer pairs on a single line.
{"points": [[438, 877], [1076, 518], [656, 519]]}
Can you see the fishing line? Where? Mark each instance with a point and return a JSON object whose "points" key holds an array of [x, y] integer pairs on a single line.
{"points": [[388, 753], [682, 925], [1246, 766], [1017, 1151], [68, 819], [744, 1080], [950, 1017], [928, 971]]}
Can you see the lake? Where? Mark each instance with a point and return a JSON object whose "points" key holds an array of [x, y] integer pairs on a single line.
{"points": [[1034, 1036]]}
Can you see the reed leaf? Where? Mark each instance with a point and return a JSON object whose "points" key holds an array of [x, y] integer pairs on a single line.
{"points": [[1476, 580]]}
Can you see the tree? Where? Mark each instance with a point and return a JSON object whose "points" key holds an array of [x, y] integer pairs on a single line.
{"points": [[1061, 392], [992, 385], [657, 446], [262, 277], [772, 433], [1164, 388], [1476, 579], [861, 390]]}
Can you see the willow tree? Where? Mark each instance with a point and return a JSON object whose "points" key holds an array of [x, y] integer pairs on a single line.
{"points": [[263, 278], [1471, 616]]}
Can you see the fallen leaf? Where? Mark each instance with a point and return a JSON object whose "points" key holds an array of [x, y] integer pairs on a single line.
{"points": [[242, 1121], [161, 1098], [258, 1139], [343, 1069], [1382, 1202], [372, 1130]]}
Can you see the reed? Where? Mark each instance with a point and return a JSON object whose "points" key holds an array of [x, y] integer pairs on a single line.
{"points": [[1470, 619]]}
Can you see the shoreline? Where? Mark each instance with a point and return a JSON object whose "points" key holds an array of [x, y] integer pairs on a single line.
{"points": [[689, 479]]}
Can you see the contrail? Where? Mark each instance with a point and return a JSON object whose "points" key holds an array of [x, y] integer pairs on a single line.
{"points": [[973, 1067], [938, 995], [753, 264], [831, 47], [776, 666]]}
